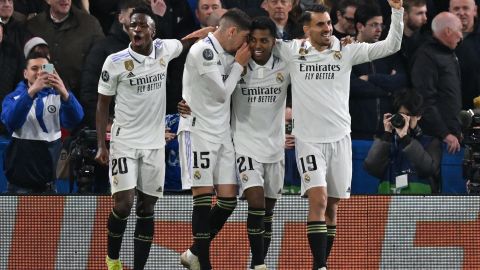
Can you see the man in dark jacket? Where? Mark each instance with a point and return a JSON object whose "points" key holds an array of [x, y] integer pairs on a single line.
{"points": [[372, 84], [11, 63], [404, 160], [436, 76], [278, 11], [70, 34], [468, 51]]}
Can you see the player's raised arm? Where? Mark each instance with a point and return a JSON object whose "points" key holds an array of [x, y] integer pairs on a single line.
{"points": [[389, 46]]}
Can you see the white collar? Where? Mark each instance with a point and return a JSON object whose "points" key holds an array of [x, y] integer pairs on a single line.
{"points": [[216, 45], [140, 57], [252, 65], [334, 45]]}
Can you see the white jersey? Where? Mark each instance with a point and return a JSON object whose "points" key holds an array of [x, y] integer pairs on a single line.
{"points": [[321, 81], [209, 78], [258, 117], [138, 82]]}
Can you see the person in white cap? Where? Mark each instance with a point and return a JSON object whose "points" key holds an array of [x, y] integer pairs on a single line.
{"points": [[36, 44]]}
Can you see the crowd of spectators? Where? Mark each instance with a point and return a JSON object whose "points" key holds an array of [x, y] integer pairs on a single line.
{"points": [[78, 35]]}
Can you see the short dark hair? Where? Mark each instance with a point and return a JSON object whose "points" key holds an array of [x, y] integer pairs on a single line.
{"points": [[35, 55], [306, 17], [342, 6], [143, 9], [410, 99], [238, 18], [264, 23], [408, 4], [365, 13]]}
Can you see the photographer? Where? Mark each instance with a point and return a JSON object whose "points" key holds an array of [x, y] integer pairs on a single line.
{"points": [[405, 161]]}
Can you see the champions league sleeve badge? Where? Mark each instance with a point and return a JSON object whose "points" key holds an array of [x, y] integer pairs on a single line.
{"points": [[337, 55], [128, 65], [105, 76], [207, 54]]}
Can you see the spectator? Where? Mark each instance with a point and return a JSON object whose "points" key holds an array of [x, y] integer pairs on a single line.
{"points": [[414, 18], [178, 20], [11, 63], [405, 160], [345, 25], [205, 8], [468, 51], [287, 28], [436, 76], [173, 181], [36, 44], [14, 29], [70, 33], [252, 7], [373, 83], [34, 113]]}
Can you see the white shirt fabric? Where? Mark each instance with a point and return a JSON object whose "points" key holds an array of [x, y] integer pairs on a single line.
{"points": [[258, 116], [138, 82], [321, 81], [209, 78]]}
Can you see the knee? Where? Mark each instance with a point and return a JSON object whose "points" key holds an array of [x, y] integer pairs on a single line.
{"points": [[145, 209], [123, 208], [318, 202]]}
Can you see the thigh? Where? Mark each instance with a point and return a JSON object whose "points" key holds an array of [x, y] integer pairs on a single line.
{"points": [[339, 172], [249, 172], [274, 178], [224, 170], [198, 159], [311, 164], [152, 172], [123, 168]]}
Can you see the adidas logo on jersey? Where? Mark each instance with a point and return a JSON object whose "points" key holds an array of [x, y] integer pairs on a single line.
{"points": [[130, 75], [242, 81]]}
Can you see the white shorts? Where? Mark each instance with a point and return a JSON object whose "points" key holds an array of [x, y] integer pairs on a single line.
{"points": [[326, 165], [203, 163], [143, 169], [251, 173]]}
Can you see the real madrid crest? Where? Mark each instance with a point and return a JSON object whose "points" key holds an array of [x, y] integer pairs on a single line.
{"points": [[280, 77], [115, 181], [302, 53], [306, 177], [197, 175], [337, 55], [128, 65], [162, 62], [244, 178]]}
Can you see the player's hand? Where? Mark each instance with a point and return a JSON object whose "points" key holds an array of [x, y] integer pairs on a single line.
{"points": [[158, 7], [102, 156], [183, 108], [289, 141], [243, 54], [387, 125], [169, 135], [396, 4], [56, 83], [453, 145], [364, 78], [199, 34], [347, 40]]}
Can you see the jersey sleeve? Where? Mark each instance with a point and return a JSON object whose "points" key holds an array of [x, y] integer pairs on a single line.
{"points": [[366, 52], [174, 48], [108, 82], [204, 59], [285, 49]]}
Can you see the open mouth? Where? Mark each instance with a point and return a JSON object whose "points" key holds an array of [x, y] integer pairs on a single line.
{"points": [[137, 39]]}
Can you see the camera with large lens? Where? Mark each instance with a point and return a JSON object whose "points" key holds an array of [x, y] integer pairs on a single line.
{"points": [[397, 121], [82, 157], [470, 121]]}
